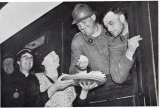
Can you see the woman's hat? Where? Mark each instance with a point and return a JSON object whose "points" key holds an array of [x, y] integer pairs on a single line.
{"points": [[44, 52], [8, 56]]}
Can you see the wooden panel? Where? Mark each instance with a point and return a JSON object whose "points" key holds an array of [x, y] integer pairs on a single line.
{"points": [[144, 64], [153, 6], [136, 70], [117, 97], [118, 102]]}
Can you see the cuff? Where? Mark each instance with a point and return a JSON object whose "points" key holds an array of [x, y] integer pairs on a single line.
{"points": [[126, 62]]}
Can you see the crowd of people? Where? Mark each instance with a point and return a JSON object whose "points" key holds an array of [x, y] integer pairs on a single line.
{"points": [[107, 49]]}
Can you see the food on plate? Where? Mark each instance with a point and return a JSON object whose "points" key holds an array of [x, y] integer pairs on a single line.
{"points": [[96, 73]]}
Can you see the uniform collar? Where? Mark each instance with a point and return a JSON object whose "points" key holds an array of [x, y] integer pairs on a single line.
{"points": [[124, 37], [91, 40]]}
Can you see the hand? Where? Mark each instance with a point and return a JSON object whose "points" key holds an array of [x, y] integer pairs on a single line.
{"points": [[83, 62], [88, 87], [133, 43], [60, 85]]}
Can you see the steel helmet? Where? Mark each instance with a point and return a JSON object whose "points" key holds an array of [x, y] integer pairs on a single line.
{"points": [[81, 12]]}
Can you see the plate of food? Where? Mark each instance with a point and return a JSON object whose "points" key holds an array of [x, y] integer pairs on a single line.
{"points": [[93, 76]]}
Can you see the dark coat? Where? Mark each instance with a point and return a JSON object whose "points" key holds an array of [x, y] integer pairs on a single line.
{"points": [[14, 91]]}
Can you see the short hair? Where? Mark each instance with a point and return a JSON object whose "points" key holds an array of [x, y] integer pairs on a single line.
{"points": [[116, 10]]}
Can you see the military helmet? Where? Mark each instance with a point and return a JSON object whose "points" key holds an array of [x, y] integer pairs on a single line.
{"points": [[81, 12]]}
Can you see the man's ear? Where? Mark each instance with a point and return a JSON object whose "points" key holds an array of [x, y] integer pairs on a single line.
{"points": [[122, 18], [18, 62], [93, 17], [42, 62]]}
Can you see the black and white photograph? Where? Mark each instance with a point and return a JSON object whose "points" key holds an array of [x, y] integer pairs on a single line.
{"points": [[79, 53]]}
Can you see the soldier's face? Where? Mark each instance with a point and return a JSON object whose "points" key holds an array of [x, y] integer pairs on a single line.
{"points": [[8, 65], [113, 24], [87, 26]]}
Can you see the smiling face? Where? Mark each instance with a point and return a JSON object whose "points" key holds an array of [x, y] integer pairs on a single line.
{"points": [[113, 24], [26, 62], [8, 65], [51, 60], [87, 26]]}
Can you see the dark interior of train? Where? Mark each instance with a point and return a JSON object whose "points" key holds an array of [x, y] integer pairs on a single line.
{"points": [[58, 33]]}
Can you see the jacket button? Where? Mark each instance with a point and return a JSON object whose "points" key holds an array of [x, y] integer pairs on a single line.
{"points": [[90, 41]]}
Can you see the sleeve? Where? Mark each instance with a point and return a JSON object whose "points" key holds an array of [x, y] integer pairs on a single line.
{"points": [[80, 102], [76, 51], [120, 65], [4, 95], [35, 97]]}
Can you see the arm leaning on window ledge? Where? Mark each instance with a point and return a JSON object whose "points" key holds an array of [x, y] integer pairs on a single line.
{"points": [[120, 64]]}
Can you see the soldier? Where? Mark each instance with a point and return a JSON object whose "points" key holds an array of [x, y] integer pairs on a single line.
{"points": [[121, 48], [89, 46]]}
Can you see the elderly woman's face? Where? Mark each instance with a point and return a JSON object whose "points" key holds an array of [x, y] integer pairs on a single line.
{"points": [[8, 65], [52, 59]]}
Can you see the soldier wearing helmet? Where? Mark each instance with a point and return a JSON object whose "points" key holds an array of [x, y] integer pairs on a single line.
{"points": [[89, 46]]}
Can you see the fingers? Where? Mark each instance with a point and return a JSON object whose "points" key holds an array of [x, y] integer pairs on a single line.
{"points": [[135, 38], [63, 75], [84, 85], [64, 81], [88, 86], [93, 85], [68, 81], [66, 85], [82, 64], [60, 77], [80, 83], [133, 43]]}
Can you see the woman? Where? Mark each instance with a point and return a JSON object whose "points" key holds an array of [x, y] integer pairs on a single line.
{"points": [[47, 88]]}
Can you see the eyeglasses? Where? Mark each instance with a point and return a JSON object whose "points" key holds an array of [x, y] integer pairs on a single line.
{"points": [[27, 58]]}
